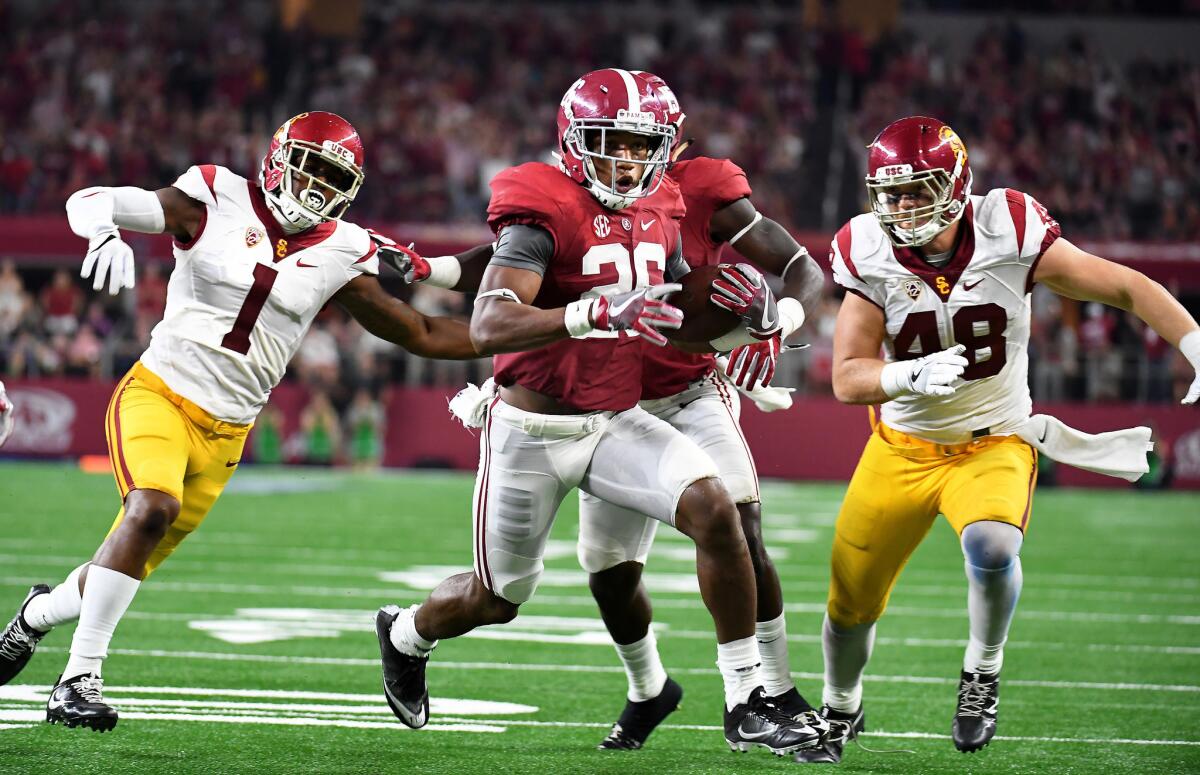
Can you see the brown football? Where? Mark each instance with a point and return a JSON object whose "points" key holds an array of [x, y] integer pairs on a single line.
{"points": [[703, 321]]}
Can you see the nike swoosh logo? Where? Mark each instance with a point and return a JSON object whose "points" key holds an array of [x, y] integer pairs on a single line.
{"points": [[767, 321], [969, 286], [232, 463], [54, 704], [111, 237], [648, 224], [917, 373], [752, 735], [615, 311], [300, 262]]}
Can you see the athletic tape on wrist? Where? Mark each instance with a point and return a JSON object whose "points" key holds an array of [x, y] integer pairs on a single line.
{"points": [[578, 317]]}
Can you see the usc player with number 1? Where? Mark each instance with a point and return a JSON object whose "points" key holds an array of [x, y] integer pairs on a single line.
{"points": [[254, 263], [941, 279]]}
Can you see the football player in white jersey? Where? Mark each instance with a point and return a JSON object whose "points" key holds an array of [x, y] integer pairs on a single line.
{"points": [[254, 264], [941, 280]]}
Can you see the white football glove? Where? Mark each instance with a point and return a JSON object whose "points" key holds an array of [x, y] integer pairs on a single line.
{"points": [[6, 416], [109, 255], [932, 375]]}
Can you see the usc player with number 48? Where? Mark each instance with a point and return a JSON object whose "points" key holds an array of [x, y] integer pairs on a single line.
{"points": [[941, 279], [254, 263]]}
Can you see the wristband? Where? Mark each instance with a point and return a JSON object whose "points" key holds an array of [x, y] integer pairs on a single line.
{"points": [[791, 315], [444, 271], [895, 379], [578, 317], [1189, 345]]}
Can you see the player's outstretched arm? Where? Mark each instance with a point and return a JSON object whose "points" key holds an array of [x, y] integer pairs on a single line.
{"points": [[97, 214], [1077, 274], [772, 249], [861, 377], [388, 318]]}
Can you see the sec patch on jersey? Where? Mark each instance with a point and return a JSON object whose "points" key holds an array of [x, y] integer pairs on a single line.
{"points": [[703, 321]]}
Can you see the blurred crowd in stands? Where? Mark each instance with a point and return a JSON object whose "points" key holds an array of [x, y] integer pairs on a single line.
{"points": [[447, 96]]}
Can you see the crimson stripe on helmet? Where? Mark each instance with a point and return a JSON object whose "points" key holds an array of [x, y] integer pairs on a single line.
{"points": [[843, 242], [1016, 208], [631, 89]]}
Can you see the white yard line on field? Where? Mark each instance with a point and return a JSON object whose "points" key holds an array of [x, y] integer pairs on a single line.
{"points": [[568, 668]]}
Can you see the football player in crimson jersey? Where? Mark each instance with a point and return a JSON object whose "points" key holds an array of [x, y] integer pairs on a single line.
{"points": [[579, 262], [684, 389], [941, 279], [254, 263]]}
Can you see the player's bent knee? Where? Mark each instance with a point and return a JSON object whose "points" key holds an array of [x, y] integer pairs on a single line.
{"points": [[991, 545], [150, 512], [707, 514], [845, 617], [750, 515], [618, 582]]}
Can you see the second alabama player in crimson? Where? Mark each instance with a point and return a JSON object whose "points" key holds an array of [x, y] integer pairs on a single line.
{"points": [[254, 263]]}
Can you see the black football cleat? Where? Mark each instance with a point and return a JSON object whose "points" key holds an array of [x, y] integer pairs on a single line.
{"points": [[79, 702], [19, 640], [639, 719], [793, 705], [975, 720], [757, 722], [403, 675], [843, 727]]}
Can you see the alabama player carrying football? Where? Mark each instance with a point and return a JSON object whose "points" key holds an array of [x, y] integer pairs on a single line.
{"points": [[579, 262], [685, 390], [254, 263], [941, 279]]}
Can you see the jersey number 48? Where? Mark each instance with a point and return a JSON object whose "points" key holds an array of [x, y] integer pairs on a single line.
{"points": [[979, 328]]}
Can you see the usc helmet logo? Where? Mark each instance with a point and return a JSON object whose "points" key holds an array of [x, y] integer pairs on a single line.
{"points": [[956, 144]]}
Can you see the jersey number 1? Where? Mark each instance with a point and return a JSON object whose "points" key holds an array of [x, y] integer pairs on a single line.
{"points": [[922, 328], [238, 339]]}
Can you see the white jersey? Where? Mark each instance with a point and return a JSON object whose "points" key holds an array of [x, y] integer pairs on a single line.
{"points": [[980, 299], [243, 293]]}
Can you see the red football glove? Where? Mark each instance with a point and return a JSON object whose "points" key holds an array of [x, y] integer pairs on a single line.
{"points": [[641, 310], [404, 260], [753, 364], [741, 289]]}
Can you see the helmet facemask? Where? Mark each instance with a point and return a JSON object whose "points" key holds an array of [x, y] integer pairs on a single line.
{"points": [[659, 138], [927, 221], [319, 200]]}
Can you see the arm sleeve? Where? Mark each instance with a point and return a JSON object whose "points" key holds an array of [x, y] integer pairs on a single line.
{"points": [[522, 246], [676, 266], [94, 211]]}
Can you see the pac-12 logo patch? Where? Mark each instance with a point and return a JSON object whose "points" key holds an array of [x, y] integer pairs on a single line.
{"points": [[912, 289], [601, 225], [254, 235]]}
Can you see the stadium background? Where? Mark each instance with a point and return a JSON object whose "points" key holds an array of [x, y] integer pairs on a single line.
{"points": [[1098, 117], [251, 650]]}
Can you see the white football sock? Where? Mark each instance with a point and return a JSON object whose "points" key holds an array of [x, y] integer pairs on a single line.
{"points": [[993, 564], [991, 602], [643, 668], [772, 645], [45, 612], [847, 651], [106, 596], [405, 637], [738, 661]]}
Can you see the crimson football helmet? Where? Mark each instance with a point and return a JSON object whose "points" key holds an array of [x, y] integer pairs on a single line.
{"points": [[297, 149], [675, 114], [614, 100], [922, 150]]}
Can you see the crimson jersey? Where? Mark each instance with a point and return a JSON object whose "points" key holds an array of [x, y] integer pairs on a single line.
{"points": [[707, 185], [596, 251]]}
